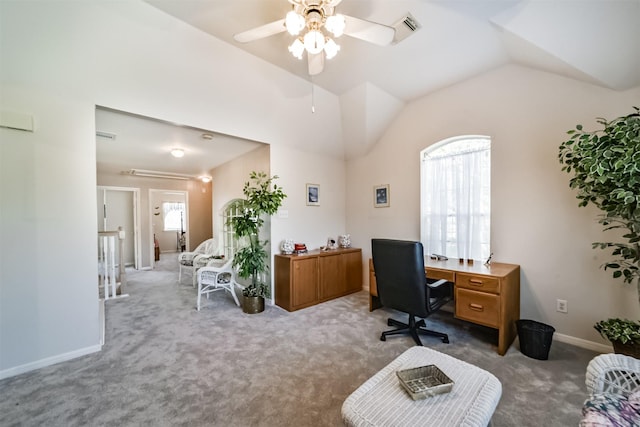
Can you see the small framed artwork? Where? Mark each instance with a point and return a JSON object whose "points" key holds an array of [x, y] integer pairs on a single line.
{"points": [[381, 196], [313, 195]]}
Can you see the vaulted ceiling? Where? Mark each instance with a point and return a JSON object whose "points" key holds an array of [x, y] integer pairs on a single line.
{"points": [[592, 40], [595, 41]]}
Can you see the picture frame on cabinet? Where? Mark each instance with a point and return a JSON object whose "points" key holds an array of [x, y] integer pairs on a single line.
{"points": [[381, 196], [313, 195]]}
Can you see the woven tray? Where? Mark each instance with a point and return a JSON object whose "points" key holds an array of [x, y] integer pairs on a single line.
{"points": [[424, 381]]}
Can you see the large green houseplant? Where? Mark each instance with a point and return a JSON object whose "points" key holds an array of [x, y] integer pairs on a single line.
{"points": [[605, 164], [262, 197]]}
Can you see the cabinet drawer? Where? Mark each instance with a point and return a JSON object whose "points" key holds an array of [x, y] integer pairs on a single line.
{"points": [[449, 276], [478, 307], [478, 283]]}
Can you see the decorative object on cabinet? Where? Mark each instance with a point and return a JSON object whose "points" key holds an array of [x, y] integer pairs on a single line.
{"points": [[344, 240], [487, 295], [262, 197], [287, 246], [331, 245], [317, 276], [381, 196], [313, 195], [300, 248]]}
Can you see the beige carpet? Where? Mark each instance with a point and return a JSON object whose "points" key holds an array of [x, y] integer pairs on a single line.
{"points": [[165, 364]]}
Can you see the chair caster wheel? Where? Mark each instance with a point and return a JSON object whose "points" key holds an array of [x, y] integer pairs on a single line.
{"points": [[383, 338], [389, 322], [445, 340]]}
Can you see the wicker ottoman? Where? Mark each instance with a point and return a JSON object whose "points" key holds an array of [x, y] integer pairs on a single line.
{"points": [[381, 400]]}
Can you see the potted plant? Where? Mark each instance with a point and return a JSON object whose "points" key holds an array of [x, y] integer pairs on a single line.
{"points": [[606, 172], [262, 197], [624, 335]]}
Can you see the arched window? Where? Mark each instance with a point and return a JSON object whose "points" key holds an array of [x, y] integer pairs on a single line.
{"points": [[230, 240], [456, 197]]}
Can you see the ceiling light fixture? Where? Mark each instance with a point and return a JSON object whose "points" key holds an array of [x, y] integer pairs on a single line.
{"points": [[316, 16], [177, 152], [158, 174], [205, 179]]}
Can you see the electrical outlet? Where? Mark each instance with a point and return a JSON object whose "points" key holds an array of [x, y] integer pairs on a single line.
{"points": [[561, 305]]}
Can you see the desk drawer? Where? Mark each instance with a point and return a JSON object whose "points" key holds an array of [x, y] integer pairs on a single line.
{"points": [[440, 274], [478, 283], [478, 307]]}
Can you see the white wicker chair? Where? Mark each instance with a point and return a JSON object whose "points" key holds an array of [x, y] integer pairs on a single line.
{"points": [[213, 278], [197, 258], [613, 383], [614, 374]]}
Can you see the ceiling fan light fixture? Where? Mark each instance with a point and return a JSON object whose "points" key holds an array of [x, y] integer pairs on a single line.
{"points": [[331, 48], [297, 48], [294, 23], [314, 42], [335, 25]]}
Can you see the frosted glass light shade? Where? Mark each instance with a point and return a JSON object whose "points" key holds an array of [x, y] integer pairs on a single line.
{"points": [[335, 24], [331, 48], [294, 23], [314, 42], [297, 48]]}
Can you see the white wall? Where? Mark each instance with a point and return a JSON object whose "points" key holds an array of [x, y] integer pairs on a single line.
{"points": [[60, 59], [536, 221]]}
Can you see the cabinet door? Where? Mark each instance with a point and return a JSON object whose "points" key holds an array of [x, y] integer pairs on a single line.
{"points": [[353, 271], [332, 277], [305, 282]]}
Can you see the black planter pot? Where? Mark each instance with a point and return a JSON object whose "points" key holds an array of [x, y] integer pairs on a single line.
{"points": [[628, 349], [252, 305]]}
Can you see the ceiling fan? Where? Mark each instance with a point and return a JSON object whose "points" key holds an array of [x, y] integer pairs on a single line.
{"points": [[313, 22]]}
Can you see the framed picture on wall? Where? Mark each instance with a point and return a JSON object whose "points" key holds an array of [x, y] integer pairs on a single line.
{"points": [[313, 195], [381, 196]]}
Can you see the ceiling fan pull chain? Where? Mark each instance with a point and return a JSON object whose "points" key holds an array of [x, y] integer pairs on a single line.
{"points": [[313, 99]]}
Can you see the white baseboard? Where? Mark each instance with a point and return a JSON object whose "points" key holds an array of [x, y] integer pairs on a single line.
{"points": [[579, 342], [17, 370]]}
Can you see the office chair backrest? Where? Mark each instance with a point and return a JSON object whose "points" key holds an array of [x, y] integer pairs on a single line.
{"points": [[400, 276]]}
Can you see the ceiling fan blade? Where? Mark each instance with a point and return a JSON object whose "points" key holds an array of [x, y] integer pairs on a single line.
{"points": [[315, 63], [261, 32], [368, 31]]}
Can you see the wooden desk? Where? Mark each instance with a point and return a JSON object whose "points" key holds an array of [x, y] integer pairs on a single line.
{"points": [[485, 295]]}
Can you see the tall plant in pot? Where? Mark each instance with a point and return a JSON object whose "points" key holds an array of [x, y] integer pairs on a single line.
{"points": [[262, 197], [605, 164]]}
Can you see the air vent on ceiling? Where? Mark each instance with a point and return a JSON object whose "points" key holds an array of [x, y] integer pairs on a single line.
{"points": [[106, 135], [406, 26]]}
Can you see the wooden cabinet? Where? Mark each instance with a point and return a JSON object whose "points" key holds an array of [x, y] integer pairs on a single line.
{"points": [[308, 279]]}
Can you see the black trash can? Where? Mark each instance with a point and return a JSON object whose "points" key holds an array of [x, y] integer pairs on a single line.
{"points": [[535, 338]]}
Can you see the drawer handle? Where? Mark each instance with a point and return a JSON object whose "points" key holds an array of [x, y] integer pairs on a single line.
{"points": [[475, 282], [476, 307]]}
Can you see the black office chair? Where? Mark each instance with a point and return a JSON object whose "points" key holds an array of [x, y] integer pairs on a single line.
{"points": [[403, 285]]}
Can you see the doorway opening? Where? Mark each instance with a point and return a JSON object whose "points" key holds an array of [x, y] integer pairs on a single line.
{"points": [[169, 222], [119, 207]]}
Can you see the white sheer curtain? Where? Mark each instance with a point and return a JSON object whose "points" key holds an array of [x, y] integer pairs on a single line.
{"points": [[456, 198], [174, 216]]}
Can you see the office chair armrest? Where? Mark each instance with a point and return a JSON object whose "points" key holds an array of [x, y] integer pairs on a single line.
{"points": [[437, 284]]}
